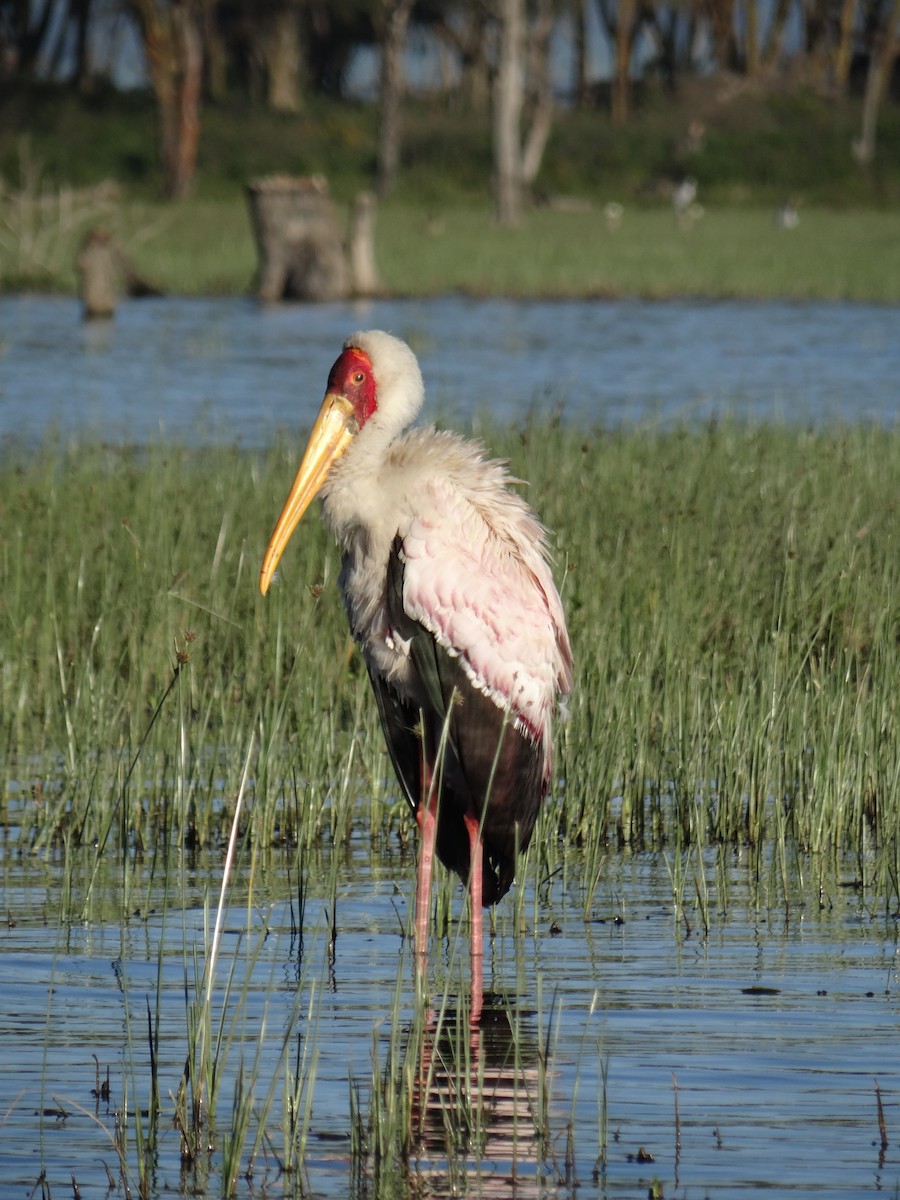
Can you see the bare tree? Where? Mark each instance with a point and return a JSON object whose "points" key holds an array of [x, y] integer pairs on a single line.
{"points": [[509, 97], [281, 46], [25, 27], [467, 37], [626, 28], [622, 26], [541, 91], [580, 47], [844, 50], [884, 48], [80, 12], [670, 31], [720, 16], [523, 57], [174, 50], [752, 58], [62, 45], [773, 45], [393, 21]]}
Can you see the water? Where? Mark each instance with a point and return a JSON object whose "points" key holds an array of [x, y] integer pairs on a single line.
{"points": [[227, 369], [775, 1089]]}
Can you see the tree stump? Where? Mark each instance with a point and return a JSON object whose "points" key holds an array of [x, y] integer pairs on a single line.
{"points": [[299, 241], [99, 274], [361, 251], [105, 272]]}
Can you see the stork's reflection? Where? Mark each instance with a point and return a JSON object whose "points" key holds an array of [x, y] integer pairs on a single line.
{"points": [[479, 1104]]}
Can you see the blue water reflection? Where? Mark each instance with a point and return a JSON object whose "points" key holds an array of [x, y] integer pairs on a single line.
{"points": [[203, 370], [775, 1092]]}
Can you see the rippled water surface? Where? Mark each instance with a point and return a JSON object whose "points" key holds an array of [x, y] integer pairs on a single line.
{"points": [[766, 1037], [624, 1048], [203, 370]]}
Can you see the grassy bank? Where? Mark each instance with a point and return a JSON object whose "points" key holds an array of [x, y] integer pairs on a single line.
{"points": [[436, 233], [206, 247], [732, 597]]}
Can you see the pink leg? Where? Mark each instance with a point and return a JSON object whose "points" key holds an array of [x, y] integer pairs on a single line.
{"points": [[426, 816], [476, 860]]}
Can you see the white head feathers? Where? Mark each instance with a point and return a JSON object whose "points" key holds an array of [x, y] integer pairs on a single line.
{"points": [[400, 390]]}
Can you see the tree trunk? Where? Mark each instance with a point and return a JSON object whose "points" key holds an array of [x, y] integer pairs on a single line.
{"points": [[393, 43], [81, 65], [817, 30], [475, 83], [282, 48], [23, 36], [621, 84], [509, 96], [99, 277], [580, 65], [215, 54], [105, 272], [751, 50], [174, 50], [772, 49], [844, 52], [720, 15], [361, 250], [65, 52], [882, 55], [542, 117], [189, 92], [468, 40]]}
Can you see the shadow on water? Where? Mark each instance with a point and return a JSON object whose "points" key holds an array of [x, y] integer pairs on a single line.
{"points": [[462, 1106], [477, 1105]]}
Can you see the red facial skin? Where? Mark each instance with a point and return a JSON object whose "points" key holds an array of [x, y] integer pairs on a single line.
{"points": [[351, 377]]}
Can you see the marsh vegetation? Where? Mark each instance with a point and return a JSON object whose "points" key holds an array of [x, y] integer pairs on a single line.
{"points": [[732, 596]]}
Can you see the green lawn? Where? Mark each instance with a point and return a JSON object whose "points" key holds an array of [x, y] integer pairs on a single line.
{"points": [[206, 246]]}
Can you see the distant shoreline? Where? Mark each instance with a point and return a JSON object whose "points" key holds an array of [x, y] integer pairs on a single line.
{"points": [[205, 247]]}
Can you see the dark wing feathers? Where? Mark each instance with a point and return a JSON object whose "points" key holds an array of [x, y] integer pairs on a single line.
{"points": [[489, 767], [400, 724]]}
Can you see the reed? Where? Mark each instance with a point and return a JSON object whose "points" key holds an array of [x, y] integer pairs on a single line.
{"points": [[734, 616], [735, 620]]}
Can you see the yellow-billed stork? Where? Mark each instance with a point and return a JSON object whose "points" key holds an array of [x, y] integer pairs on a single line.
{"points": [[451, 600]]}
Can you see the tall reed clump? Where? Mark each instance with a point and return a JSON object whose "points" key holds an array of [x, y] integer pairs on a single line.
{"points": [[235, 1037], [130, 578], [732, 595]]}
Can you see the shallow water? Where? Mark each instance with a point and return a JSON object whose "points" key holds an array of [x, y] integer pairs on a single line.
{"points": [[227, 369], [727, 1089], [775, 1087]]}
